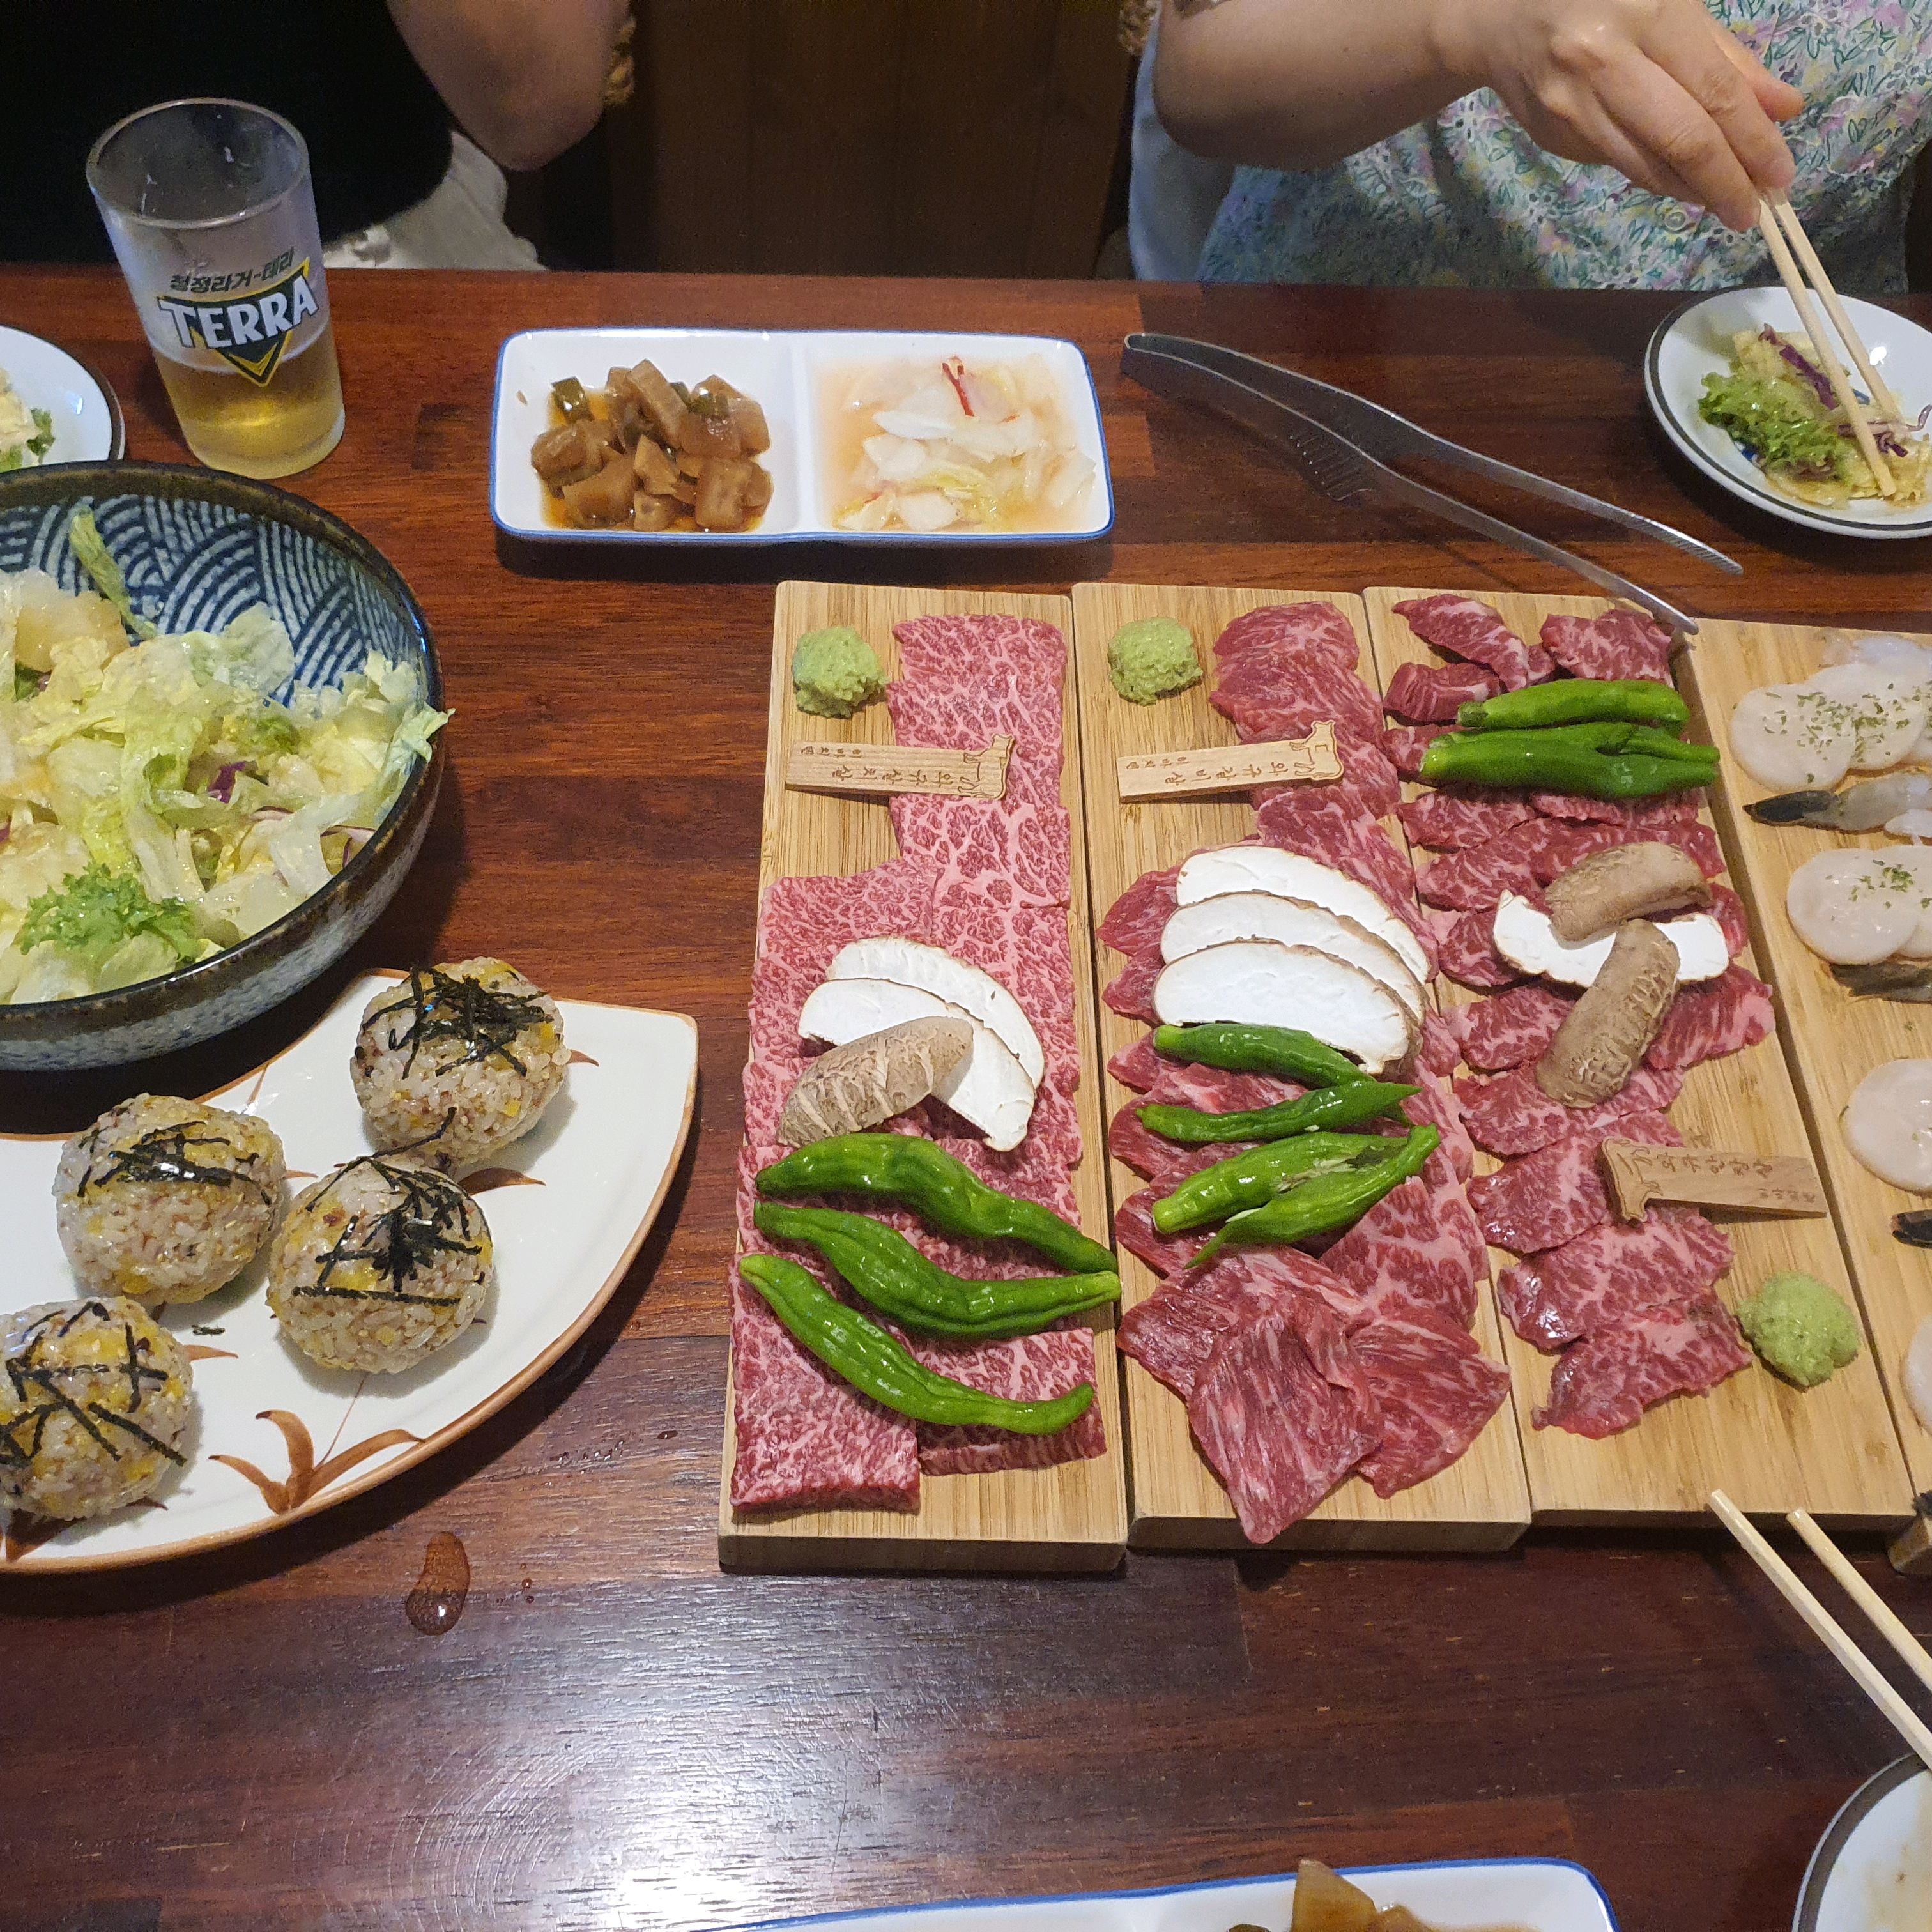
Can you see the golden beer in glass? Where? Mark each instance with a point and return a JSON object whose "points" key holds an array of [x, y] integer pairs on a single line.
{"points": [[210, 210]]}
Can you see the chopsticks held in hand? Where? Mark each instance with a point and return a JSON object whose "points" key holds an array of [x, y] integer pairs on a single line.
{"points": [[1904, 1719], [1790, 246]]}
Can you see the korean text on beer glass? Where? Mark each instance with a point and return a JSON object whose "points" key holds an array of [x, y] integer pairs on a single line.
{"points": [[211, 214]]}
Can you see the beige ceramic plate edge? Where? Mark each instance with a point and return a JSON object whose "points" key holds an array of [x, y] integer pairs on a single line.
{"points": [[601, 1162]]}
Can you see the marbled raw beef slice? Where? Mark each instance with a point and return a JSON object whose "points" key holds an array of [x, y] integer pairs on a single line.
{"points": [[1333, 831], [1405, 744], [1436, 1390], [1542, 1199], [1608, 1274], [1029, 1368], [1711, 1018], [1135, 921], [1134, 1230], [1508, 1113], [1449, 821], [1515, 1027], [1281, 1412], [1432, 693], [1604, 1384], [1465, 627], [1618, 644], [1468, 952], [1291, 631], [1420, 1243]]}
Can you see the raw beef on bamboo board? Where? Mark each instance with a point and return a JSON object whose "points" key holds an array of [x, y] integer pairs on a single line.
{"points": [[1467, 950], [1670, 808], [1281, 1412], [1728, 910], [1030, 1368], [1465, 627], [1183, 1083], [1405, 745], [1418, 1243], [1604, 1276], [1542, 1199], [1564, 845], [1135, 1231], [1439, 1053], [1316, 630], [1534, 853], [1450, 821], [1514, 1028], [1711, 1018], [1166, 1163], [1130, 991], [1508, 1113], [1432, 694], [1434, 1105], [1605, 1384], [1618, 644], [1321, 823], [1436, 1390], [1173, 1332], [1135, 921]]}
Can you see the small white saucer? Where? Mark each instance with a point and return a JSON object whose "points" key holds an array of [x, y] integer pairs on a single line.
{"points": [[87, 414]]}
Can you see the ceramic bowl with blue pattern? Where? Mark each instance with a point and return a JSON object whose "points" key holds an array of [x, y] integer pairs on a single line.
{"points": [[197, 548]]}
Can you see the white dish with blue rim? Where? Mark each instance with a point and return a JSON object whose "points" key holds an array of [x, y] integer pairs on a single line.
{"points": [[1465, 1895], [1872, 1871], [786, 371], [1695, 341], [86, 414]]}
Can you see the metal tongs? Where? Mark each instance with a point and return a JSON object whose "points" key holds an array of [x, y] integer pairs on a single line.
{"points": [[1340, 442]]}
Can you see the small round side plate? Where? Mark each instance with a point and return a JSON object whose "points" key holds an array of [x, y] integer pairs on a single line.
{"points": [[1694, 341], [88, 427], [1872, 1871]]}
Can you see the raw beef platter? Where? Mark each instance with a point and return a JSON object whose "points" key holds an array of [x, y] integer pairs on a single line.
{"points": [[1237, 1165]]}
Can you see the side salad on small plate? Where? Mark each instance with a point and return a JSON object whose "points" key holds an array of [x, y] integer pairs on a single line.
{"points": [[1736, 385], [53, 408]]}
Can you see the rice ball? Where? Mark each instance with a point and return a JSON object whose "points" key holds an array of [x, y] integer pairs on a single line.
{"points": [[457, 1061], [96, 1400], [379, 1265], [167, 1200]]}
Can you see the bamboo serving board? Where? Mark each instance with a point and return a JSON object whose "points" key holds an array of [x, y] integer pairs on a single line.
{"points": [[1831, 1450], [1073, 1516], [1833, 1041], [1482, 1500]]}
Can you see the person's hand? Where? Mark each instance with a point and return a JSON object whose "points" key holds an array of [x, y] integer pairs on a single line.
{"points": [[1655, 87]]}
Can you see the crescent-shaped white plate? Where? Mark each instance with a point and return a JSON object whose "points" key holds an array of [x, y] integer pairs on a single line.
{"points": [[279, 1438]]}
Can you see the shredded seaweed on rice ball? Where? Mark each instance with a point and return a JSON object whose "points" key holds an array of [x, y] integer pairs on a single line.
{"points": [[96, 1399], [457, 1061], [167, 1200], [379, 1265]]}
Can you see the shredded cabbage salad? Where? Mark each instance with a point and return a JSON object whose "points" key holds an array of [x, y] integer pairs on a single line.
{"points": [[157, 803], [1778, 405], [953, 446], [26, 435]]}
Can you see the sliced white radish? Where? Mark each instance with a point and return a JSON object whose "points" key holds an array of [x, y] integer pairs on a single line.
{"points": [[1234, 916], [1889, 1123], [1887, 710], [1852, 907], [989, 1087], [934, 971], [1789, 739], [1261, 982], [1289, 875], [1525, 938]]}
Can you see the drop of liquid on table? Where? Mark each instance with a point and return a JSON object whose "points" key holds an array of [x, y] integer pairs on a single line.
{"points": [[436, 1603]]}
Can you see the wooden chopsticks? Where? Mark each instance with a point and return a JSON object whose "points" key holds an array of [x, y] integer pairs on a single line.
{"points": [[1790, 246], [1904, 1719]]}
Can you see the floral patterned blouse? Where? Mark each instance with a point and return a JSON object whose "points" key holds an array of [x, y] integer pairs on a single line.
{"points": [[1468, 198]]}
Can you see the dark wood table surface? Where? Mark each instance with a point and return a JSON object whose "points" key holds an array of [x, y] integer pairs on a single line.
{"points": [[614, 1733]]}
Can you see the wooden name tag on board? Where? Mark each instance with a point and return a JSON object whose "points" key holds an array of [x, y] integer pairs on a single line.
{"points": [[1233, 768], [1769, 1184], [886, 769]]}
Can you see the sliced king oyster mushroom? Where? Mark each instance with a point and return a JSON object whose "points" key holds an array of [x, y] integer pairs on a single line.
{"points": [[1525, 938], [1267, 869], [988, 1087], [1232, 915], [1262, 983], [911, 963]]}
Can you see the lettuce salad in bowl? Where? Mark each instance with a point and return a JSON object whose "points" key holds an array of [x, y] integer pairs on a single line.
{"points": [[195, 817]]}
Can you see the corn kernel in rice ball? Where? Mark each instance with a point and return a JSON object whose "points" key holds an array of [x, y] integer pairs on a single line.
{"points": [[457, 1061], [167, 1200], [379, 1265], [96, 1400]]}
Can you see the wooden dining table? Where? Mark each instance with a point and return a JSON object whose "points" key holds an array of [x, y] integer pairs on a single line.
{"points": [[614, 1732]]}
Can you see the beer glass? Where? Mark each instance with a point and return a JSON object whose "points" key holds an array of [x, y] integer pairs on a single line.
{"points": [[210, 210]]}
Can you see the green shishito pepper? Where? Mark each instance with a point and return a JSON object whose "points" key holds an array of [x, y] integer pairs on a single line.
{"points": [[1599, 760], [1330, 1107], [1578, 700], [944, 1192], [880, 1263], [1259, 1175], [1285, 1051], [876, 1365], [1327, 1202]]}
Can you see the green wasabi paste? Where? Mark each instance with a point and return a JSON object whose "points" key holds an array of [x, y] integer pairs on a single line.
{"points": [[1151, 659], [1800, 1328], [834, 671]]}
